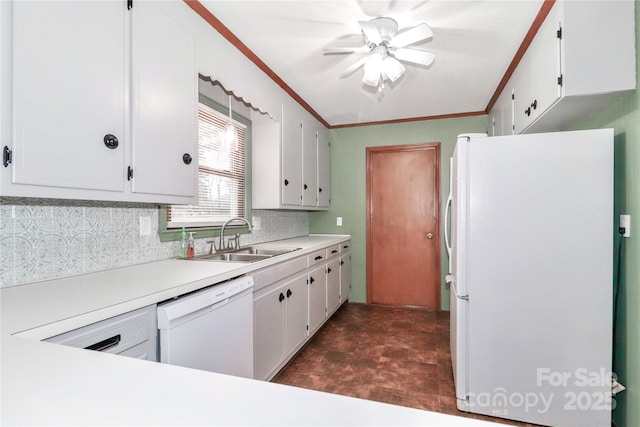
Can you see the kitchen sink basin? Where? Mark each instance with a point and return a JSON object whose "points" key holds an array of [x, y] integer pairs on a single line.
{"points": [[232, 256], [247, 254], [264, 251]]}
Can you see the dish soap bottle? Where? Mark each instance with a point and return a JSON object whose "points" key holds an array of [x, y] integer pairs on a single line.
{"points": [[191, 245], [183, 243]]}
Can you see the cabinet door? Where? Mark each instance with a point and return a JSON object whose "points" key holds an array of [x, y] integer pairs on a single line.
{"points": [[324, 153], [268, 327], [164, 85], [536, 78], [544, 69], [345, 277], [296, 314], [501, 117], [333, 286], [309, 163], [317, 298], [522, 96], [69, 93], [291, 155]]}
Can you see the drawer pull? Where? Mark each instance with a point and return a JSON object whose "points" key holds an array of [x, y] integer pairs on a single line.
{"points": [[346, 246], [105, 345], [334, 251], [319, 257]]}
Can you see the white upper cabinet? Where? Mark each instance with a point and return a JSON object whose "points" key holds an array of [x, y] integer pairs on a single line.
{"points": [[103, 102], [581, 59], [324, 182], [69, 94], [291, 181], [501, 115], [539, 86], [290, 167], [164, 104], [309, 162]]}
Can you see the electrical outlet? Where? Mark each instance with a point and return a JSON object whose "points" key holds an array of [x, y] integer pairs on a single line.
{"points": [[145, 225], [339, 221], [625, 222]]}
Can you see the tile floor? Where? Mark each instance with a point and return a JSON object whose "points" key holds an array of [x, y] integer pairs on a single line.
{"points": [[388, 354]]}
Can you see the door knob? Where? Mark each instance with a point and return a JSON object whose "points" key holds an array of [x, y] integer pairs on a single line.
{"points": [[429, 235]]}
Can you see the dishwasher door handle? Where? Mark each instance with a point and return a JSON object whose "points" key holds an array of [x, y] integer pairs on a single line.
{"points": [[105, 345]]}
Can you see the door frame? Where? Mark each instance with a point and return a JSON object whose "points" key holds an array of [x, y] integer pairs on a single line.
{"points": [[369, 203]]}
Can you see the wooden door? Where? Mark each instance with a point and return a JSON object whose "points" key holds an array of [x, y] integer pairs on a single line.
{"points": [[403, 225]]}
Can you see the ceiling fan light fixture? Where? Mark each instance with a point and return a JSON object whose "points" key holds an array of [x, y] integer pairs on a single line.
{"points": [[387, 46], [393, 68], [372, 69]]}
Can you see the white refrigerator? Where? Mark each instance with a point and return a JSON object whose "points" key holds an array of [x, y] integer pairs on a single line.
{"points": [[529, 231]]}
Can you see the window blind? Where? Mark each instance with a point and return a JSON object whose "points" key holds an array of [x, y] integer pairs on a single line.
{"points": [[221, 172]]}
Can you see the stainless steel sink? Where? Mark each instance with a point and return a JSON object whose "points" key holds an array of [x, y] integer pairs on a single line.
{"points": [[232, 256], [264, 251], [247, 254]]}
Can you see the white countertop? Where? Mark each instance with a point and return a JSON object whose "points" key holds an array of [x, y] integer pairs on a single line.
{"points": [[49, 384]]}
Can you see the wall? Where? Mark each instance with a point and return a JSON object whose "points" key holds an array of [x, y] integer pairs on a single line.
{"points": [[43, 239], [624, 117], [348, 183]]}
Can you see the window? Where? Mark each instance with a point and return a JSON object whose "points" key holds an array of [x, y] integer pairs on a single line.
{"points": [[221, 171]]}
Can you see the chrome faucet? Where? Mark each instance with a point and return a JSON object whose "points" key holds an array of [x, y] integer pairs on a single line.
{"points": [[221, 245]]}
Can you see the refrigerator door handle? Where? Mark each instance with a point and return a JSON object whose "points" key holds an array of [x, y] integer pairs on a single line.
{"points": [[447, 211]]}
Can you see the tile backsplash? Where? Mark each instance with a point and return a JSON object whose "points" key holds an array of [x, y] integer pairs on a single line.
{"points": [[43, 239]]}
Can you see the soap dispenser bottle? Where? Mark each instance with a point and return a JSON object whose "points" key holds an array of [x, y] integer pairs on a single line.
{"points": [[183, 243], [191, 245]]}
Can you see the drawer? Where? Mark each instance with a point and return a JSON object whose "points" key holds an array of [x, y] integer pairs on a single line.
{"points": [[345, 246], [272, 274], [317, 257], [333, 251], [114, 335]]}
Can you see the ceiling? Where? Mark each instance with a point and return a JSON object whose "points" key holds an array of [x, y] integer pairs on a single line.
{"points": [[474, 43]]}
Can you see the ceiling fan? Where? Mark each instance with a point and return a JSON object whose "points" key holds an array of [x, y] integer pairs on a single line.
{"points": [[387, 46]]}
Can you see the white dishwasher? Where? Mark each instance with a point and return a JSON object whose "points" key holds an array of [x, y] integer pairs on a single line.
{"points": [[211, 329]]}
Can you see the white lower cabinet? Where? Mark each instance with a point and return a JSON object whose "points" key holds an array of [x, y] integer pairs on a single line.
{"points": [[333, 286], [291, 302], [317, 298], [280, 324], [132, 334], [345, 277]]}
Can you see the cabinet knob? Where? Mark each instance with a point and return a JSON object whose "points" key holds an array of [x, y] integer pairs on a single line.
{"points": [[286, 182], [328, 269], [341, 262], [429, 236], [281, 297], [527, 112], [311, 280], [187, 159], [305, 186], [534, 104], [320, 189], [110, 141], [289, 293]]}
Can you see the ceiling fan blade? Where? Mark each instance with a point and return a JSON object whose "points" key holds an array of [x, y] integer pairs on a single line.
{"points": [[412, 35], [346, 49], [371, 31], [353, 67], [416, 56]]}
